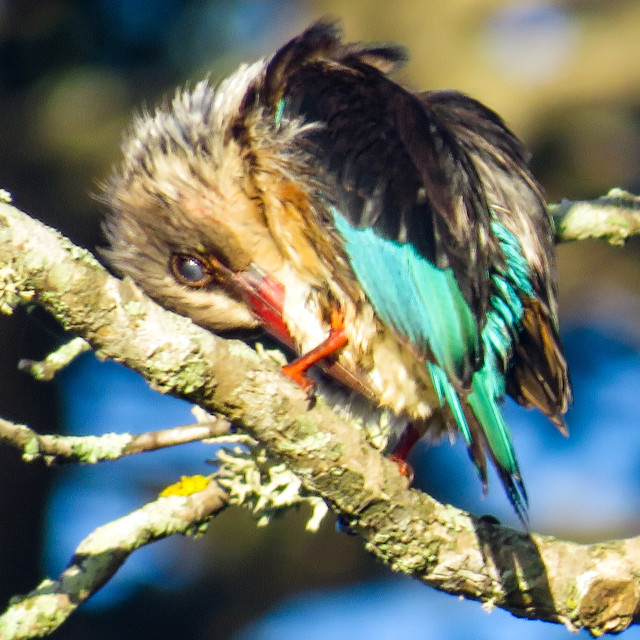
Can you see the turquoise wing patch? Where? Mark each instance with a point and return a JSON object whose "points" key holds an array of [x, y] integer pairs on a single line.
{"points": [[420, 301], [425, 305]]}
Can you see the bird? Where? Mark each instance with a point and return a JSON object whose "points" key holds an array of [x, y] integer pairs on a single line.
{"points": [[396, 239]]}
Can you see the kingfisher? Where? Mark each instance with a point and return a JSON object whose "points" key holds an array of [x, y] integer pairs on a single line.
{"points": [[396, 239]]}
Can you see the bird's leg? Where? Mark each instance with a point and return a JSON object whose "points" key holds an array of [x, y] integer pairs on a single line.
{"points": [[401, 451], [336, 339]]}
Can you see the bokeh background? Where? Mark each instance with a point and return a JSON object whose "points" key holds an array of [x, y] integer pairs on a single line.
{"points": [[565, 75]]}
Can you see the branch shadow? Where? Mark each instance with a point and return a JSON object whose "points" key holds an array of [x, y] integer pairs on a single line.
{"points": [[521, 570]]}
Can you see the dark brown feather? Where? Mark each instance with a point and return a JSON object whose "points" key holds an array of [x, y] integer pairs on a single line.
{"points": [[395, 168], [538, 375]]}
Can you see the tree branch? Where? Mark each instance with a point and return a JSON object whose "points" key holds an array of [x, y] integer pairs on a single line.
{"points": [[101, 554], [594, 586], [109, 446], [614, 217]]}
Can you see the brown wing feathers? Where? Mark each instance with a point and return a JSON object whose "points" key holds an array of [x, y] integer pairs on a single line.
{"points": [[427, 169]]}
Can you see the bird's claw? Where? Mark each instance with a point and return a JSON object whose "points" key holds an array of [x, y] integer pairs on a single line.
{"points": [[294, 372], [403, 466]]}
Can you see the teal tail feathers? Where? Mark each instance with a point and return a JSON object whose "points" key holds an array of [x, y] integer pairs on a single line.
{"points": [[483, 425], [484, 429], [498, 442], [467, 357]]}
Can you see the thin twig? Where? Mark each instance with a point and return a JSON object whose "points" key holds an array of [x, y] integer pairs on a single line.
{"points": [[102, 553], [109, 446], [46, 369]]}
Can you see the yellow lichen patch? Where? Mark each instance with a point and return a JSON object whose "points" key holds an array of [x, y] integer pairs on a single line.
{"points": [[186, 486]]}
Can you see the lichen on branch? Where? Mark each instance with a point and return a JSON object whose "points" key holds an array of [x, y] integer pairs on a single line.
{"points": [[591, 586]]}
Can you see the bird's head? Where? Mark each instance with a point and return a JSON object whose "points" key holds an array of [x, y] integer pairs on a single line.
{"points": [[186, 215]]}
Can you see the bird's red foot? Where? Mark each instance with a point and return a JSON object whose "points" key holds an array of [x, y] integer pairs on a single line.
{"points": [[403, 466], [299, 376], [400, 452], [337, 338]]}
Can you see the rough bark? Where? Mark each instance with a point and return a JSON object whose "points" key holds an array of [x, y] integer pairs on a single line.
{"points": [[593, 586]]}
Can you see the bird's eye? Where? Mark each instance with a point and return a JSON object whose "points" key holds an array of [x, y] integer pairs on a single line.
{"points": [[190, 270]]}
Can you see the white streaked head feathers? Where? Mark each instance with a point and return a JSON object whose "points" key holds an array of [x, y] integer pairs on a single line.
{"points": [[193, 121]]}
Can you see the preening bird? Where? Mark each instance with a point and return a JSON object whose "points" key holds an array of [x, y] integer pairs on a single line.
{"points": [[397, 239]]}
